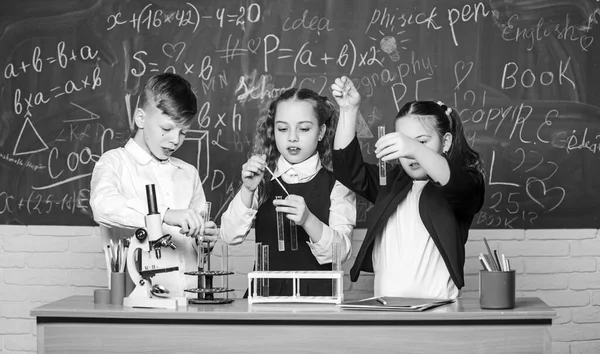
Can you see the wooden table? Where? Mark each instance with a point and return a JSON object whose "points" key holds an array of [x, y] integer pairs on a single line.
{"points": [[77, 325]]}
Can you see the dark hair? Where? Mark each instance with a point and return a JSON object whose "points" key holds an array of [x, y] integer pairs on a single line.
{"points": [[264, 140], [445, 120], [173, 95]]}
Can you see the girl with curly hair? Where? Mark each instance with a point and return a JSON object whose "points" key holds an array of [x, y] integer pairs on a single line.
{"points": [[294, 140]]}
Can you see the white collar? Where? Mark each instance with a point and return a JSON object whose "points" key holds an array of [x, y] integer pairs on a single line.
{"points": [[143, 157], [304, 169]]}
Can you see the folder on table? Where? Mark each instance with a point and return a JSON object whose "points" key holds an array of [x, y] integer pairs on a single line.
{"points": [[391, 303]]}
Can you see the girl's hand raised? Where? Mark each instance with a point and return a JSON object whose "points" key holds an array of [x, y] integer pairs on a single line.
{"points": [[295, 208], [253, 171], [394, 146], [345, 93]]}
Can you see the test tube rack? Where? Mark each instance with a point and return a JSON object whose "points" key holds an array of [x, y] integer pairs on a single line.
{"points": [[206, 289], [296, 277]]}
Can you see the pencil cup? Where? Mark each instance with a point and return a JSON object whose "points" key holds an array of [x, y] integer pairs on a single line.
{"points": [[102, 296], [117, 288], [497, 289]]}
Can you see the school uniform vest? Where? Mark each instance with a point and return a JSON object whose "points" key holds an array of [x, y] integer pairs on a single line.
{"points": [[316, 194]]}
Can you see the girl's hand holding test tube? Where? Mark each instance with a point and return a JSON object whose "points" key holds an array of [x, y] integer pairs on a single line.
{"points": [[253, 171], [345, 94], [394, 146], [294, 207]]}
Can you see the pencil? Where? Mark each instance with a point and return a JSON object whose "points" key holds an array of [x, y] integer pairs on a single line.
{"points": [[281, 184], [493, 263], [501, 268], [483, 258]]}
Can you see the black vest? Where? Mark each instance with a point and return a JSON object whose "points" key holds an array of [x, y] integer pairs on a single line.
{"points": [[316, 194]]}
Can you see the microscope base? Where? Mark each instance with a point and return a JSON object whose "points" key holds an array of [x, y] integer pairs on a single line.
{"points": [[156, 303]]}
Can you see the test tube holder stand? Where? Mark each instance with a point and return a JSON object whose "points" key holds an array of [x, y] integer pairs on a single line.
{"points": [[205, 289], [296, 276]]}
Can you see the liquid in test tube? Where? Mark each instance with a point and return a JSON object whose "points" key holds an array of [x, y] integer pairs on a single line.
{"points": [[258, 264], [265, 268], [225, 267], [280, 230], [336, 265], [293, 236], [207, 207], [382, 171]]}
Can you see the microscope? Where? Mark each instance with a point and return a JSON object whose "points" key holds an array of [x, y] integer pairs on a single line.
{"points": [[144, 261]]}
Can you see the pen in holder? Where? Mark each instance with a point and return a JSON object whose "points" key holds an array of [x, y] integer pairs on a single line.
{"points": [[497, 289]]}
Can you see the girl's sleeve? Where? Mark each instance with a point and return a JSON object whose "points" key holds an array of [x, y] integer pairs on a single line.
{"points": [[236, 221], [465, 190], [350, 169], [342, 220]]}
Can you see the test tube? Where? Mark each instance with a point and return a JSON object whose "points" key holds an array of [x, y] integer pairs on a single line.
{"points": [[280, 230], [293, 236], [225, 267], [336, 265], [207, 207], [382, 171], [258, 264], [265, 268], [200, 260]]}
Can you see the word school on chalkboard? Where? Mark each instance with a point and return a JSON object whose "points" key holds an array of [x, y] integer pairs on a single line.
{"points": [[522, 74]]}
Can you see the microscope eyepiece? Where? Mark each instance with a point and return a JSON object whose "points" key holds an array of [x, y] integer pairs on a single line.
{"points": [[151, 199]]}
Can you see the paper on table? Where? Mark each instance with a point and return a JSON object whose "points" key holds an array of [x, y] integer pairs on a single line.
{"points": [[395, 304]]}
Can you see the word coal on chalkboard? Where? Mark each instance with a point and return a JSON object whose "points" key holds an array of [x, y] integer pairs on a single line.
{"points": [[522, 74]]}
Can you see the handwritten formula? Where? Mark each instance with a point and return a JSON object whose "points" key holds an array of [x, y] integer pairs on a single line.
{"points": [[522, 77]]}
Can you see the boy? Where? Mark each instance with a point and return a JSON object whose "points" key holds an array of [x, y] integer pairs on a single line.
{"points": [[118, 196]]}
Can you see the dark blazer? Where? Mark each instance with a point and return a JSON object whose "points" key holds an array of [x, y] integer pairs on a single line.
{"points": [[446, 211]]}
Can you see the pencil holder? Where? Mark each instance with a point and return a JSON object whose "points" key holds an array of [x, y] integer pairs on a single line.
{"points": [[117, 288], [497, 289]]}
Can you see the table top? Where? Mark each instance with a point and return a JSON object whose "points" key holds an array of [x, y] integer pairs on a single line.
{"points": [[82, 307]]}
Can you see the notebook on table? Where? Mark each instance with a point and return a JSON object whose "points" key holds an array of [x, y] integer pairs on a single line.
{"points": [[391, 303]]}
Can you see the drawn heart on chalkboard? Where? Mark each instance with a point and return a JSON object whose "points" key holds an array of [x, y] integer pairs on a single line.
{"points": [[253, 44], [528, 188], [171, 49], [463, 66]]}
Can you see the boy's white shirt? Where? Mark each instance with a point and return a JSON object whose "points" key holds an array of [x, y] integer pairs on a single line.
{"points": [[236, 221], [119, 205]]}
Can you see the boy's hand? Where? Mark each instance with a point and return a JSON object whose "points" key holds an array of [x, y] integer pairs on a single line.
{"points": [[253, 171], [295, 208], [209, 232], [345, 93], [188, 220]]}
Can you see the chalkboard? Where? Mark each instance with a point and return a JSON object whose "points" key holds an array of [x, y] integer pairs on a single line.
{"points": [[524, 75]]}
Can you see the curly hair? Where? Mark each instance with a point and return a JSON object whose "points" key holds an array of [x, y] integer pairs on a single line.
{"points": [[264, 140]]}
